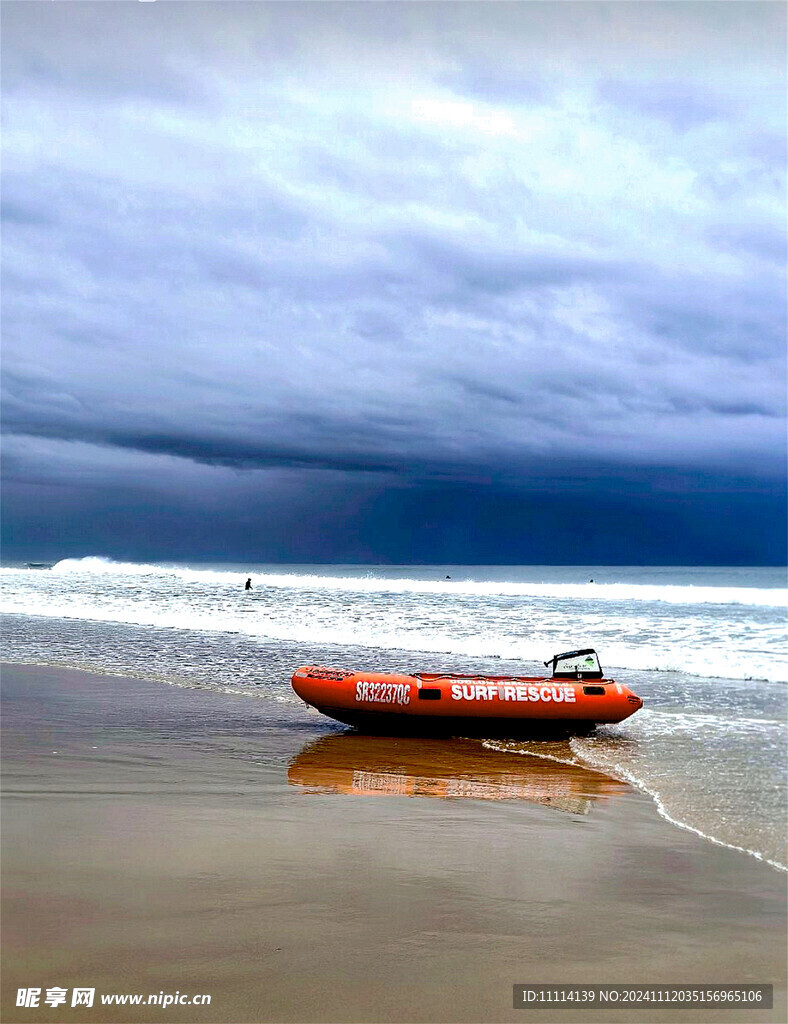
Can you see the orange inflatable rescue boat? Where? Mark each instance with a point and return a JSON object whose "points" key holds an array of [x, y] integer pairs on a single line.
{"points": [[573, 699]]}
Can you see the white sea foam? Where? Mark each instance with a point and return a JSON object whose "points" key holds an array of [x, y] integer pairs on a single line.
{"points": [[301, 627]]}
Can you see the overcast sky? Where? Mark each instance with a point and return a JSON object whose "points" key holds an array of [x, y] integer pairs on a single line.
{"points": [[395, 281]]}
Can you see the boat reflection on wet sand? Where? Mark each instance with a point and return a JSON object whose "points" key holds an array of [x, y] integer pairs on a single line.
{"points": [[360, 765]]}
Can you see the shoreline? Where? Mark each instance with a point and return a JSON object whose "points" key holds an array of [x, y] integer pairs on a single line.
{"points": [[164, 837], [572, 758]]}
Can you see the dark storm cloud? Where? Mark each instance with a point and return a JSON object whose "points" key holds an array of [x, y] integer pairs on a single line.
{"points": [[411, 242]]}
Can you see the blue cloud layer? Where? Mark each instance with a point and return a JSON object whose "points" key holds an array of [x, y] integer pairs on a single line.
{"points": [[429, 242]]}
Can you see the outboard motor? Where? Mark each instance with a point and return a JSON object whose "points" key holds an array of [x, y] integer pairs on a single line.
{"points": [[576, 665]]}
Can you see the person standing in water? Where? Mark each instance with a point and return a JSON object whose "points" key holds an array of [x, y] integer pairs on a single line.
{"points": [[248, 585]]}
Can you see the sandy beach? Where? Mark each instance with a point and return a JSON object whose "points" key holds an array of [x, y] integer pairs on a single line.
{"points": [[164, 839]]}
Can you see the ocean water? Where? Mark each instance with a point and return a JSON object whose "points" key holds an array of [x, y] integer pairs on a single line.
{"points": [[704, 647]]}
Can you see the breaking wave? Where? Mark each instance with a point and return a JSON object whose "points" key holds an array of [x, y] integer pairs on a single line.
{"points": [[616, 592]]}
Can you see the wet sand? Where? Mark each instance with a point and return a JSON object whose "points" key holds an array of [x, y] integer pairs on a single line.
{"points": [[163, 839]]}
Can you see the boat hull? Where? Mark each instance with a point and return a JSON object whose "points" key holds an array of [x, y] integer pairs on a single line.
{"points": [[381, 723]]}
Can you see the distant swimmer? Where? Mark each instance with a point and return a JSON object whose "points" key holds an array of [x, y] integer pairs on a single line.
{"points": [[248, 584], [448, 577], [590, 581]]}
